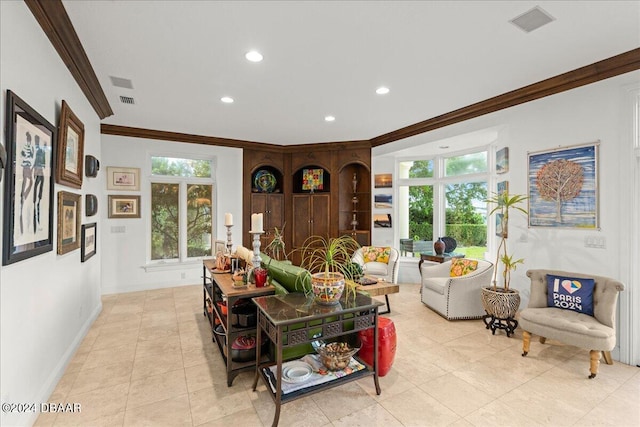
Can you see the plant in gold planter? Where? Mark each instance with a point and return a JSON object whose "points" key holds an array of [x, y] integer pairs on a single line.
{"points": [[328, 262], [502, 303]]}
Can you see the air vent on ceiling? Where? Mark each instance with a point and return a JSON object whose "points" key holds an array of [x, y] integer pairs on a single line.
{"points": [[532, 20], [127, 100], [121, 82]]}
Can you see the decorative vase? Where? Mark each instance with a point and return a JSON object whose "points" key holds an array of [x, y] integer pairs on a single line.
{"points": [[327, 287], [500, 303], [260, 277], [439, 246]]}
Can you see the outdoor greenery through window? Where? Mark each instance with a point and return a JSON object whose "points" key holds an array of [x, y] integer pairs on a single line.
{"points": [[181, 208], [444, 196]]}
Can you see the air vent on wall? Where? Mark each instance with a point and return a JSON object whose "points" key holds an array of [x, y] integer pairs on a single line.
{"points": [[532, 20], [127, 100], [121, 82]]}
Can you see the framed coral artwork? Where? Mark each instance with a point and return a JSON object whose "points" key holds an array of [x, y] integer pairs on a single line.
{"points": [[563, 187]]}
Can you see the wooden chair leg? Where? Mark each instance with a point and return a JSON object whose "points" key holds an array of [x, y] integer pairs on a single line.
{"points": [[543, 340], [607, 357], [526, 342], [595, 362]]}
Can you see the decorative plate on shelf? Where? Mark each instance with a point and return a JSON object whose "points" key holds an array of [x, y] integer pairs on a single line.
{"points": [[265, 181]]}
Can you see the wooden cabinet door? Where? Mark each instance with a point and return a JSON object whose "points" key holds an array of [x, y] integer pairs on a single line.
{"points": [[301, 219], [320, 214], [274, 214], [258, 202]]}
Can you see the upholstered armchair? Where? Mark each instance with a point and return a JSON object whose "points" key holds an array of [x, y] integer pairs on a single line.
{"points": [[595, 332], [379, 262], [455, 298]]}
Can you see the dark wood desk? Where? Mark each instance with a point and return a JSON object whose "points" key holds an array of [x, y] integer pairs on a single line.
{"points": [[430, 256]]}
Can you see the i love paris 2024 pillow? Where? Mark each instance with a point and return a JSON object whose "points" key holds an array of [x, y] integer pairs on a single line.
{"points": [[570, 293]]}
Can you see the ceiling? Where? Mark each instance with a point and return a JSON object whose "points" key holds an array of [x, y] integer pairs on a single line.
{"points": [[328, 58]]}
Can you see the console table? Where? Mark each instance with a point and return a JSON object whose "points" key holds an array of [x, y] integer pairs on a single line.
{"points": [[293, 319], [218, 288]]}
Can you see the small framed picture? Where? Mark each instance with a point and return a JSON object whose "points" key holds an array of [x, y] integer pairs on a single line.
{"points": [[88, 247], [127, 179], [383, 180], [70, 151], [122, 206], [69, 214], [382, 201], [502, 160]]}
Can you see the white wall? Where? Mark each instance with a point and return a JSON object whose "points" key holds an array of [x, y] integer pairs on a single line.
{"points": [[48, 302], [125, 254], [583, 115]]}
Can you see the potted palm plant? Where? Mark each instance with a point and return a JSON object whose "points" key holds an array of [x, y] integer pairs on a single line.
{"points": [[328, 261], [502, 302]]}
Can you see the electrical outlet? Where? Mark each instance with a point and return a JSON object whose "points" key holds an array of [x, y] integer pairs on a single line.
{"points": [[183, 275], [595, 242]]}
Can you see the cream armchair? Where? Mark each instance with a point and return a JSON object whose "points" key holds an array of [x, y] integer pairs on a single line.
{"points": [[381, 271], [596, 333], [455, 298]]}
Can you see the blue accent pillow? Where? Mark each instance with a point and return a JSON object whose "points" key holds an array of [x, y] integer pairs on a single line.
{"points": [[570, 293]]}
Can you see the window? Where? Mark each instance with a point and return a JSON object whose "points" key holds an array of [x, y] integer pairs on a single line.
{"points": [[445, 196], [181, 208]]}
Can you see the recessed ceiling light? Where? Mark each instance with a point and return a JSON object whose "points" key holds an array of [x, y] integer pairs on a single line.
{"points": [[329, 118], [443, 147], [382, 90], [226, 99], [253, 56]]}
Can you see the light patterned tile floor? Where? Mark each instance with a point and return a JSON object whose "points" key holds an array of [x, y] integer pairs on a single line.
{"points": [[149, 360]]}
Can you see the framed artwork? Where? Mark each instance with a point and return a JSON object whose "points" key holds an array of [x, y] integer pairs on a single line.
{"points": [[383, 201], [88, 247], [28, 185], [502, 160], [502, 187], [123, 206], [563, 187], [501, 226], [127, 179], [382, 220], [70, 151], [312, 179], [69, 214], [220, 246], [383, 180]]}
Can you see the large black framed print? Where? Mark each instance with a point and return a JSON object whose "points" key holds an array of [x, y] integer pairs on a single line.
{"points": [[28, 186]]}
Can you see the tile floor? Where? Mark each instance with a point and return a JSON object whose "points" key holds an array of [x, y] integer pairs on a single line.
{"points": [[149, 361]]}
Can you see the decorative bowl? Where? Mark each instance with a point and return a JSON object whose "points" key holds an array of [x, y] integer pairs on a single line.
{"points": [[327, 287], [336, 355]]}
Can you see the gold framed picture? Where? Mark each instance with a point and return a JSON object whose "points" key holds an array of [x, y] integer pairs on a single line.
{"points": [[70, 150], [69, 214], [123, 206], [124, 179]]}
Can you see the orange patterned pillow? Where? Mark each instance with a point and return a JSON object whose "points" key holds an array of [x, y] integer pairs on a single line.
{"points": [[462, 266], [375, 253]]}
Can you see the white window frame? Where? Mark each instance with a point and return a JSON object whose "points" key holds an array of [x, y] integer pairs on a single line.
{"points": [[439, 181], [182, 208]]}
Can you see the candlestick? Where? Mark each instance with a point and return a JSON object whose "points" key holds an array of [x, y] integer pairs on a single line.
{"points": [[256, 223], [256, 260], [229, 244], [228, 219]]}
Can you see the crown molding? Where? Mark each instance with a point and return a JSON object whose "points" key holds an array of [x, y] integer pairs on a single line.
{"points": [[601, 70], [53, 18]]}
